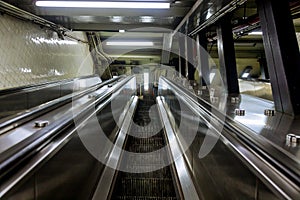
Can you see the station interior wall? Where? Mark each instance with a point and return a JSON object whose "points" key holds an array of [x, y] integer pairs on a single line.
{"points": [[31, 54]]}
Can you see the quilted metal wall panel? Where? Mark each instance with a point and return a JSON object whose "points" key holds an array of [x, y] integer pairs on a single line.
{"points": [[31, 55]]}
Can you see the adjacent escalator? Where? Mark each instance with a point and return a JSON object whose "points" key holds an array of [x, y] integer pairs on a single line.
{"points": [[156, 184]]}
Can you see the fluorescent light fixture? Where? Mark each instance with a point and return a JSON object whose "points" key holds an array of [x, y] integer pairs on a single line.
{"points": [[121, 31], [103, 4], [129, 43], [146, 81], [116, 19], [146, 19], [136, 56], [256, 33]]}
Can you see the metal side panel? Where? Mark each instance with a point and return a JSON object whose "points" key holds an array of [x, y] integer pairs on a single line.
{"points": [[185, 180], [106, 180]]}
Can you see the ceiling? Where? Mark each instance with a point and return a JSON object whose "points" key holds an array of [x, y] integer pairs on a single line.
{"points": [[95, 19], [136, 23]]}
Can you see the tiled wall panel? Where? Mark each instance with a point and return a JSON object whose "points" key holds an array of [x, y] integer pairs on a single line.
{"points": [[31, 55]]}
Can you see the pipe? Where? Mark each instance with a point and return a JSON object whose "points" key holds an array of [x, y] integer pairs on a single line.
{"points": [[24, 15], [215, 17]]}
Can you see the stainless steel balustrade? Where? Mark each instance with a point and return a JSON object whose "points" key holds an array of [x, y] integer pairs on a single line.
{"points": [[19, 162], [271, 167]]}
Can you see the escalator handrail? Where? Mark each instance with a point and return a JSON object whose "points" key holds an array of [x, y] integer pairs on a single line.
{"points": [[35, 87], [260, 144], [16, 120], [12, 157], [239, 136], [107, 180], [186, 187], [53, 146]]}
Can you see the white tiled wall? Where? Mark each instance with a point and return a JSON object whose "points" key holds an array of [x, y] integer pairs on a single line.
{"points": [[30, 54]]}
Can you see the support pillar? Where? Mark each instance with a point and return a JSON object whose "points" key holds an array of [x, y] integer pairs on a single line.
{"points": [[182, 62], [203, 58], [227, 55], [190, 58], [282, 53]]}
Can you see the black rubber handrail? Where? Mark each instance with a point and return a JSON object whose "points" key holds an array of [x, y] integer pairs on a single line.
{"points": [[11, 158]]}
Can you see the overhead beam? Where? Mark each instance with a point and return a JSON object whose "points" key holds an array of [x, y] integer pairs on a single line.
{"points": [[111, 27], [176, 12], [192, 10]]}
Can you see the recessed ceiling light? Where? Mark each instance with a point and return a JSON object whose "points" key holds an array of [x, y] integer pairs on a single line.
{"points": [[121, 31], [103, 4], [129, 43]]}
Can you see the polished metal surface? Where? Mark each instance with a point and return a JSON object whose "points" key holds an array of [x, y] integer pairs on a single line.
{"points": [[241, 140], [67, 112], [16, 101], [106, 180], [59, 149], [183, 172]]}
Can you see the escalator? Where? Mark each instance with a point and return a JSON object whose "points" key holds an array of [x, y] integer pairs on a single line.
{"points": [[156, 184], [55, 163]]}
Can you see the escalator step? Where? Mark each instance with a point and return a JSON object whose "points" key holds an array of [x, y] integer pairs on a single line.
{"points": [[154, 185]]}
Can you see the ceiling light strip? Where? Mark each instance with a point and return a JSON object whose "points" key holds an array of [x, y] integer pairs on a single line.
{"points": [[102, 4], [117, 43]]}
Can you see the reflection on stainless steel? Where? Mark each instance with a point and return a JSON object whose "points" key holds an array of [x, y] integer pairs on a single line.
{"points": [[256, 88], [68, 105], [14, 185], [185, 180], [106, 180], [256, 140]]}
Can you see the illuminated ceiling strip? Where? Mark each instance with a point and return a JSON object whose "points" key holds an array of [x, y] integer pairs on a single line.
{"points": [[256, 33], [135, 56], [102, 4], [119, 43]]}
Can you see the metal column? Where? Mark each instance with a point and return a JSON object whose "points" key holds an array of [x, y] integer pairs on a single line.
{"points": [[182, 62], [203, 58], [227, 55], [282, 54], [191, 55]]}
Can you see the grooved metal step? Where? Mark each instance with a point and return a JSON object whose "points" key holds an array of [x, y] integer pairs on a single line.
{"points": [[154, 185]]}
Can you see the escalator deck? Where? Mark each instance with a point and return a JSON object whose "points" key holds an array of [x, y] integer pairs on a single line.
{"points": [[153, 185]]}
